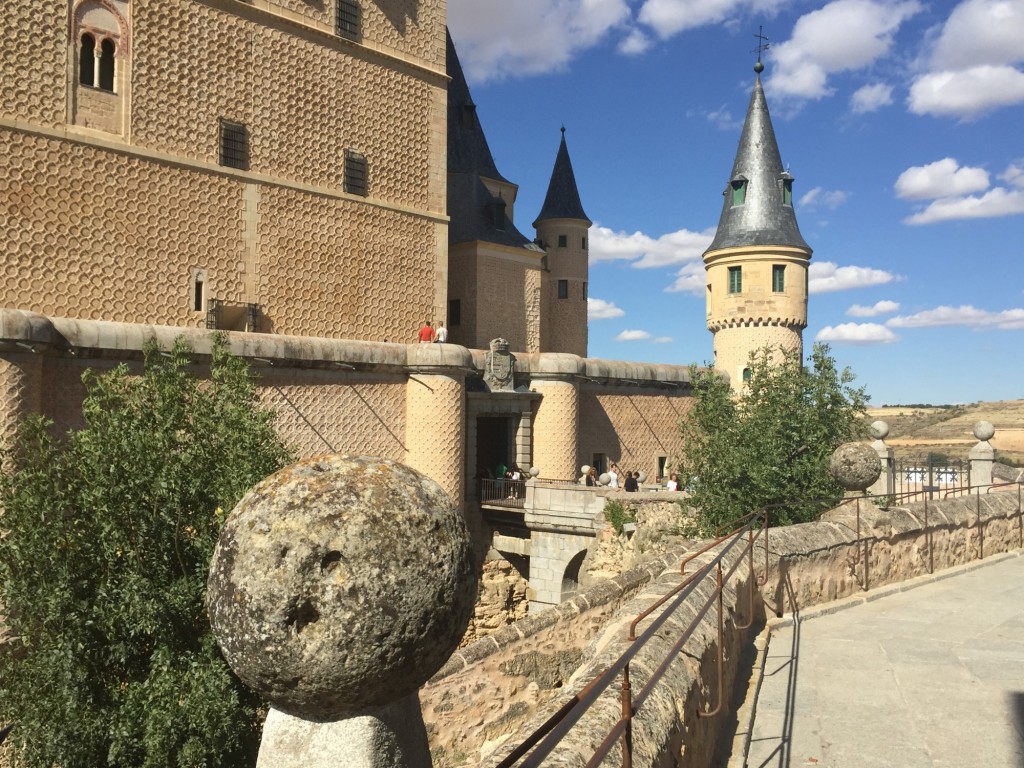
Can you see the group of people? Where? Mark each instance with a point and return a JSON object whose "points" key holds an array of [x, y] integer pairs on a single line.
{"points": [[630, 481], [430, 335]]}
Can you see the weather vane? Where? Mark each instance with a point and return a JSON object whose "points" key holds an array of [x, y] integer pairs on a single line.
{"points": [[762, 46]]}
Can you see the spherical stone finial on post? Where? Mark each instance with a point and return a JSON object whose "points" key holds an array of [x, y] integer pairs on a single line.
{"points": [[855, 466], [338, 586], [879, 430], [984, 431], [534, 472], [604, 479]]}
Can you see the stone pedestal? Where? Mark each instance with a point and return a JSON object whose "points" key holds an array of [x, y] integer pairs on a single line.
{"points": [[885, 485], [982, 455], [379, 737]]}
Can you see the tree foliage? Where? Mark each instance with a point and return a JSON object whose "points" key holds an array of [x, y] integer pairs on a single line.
{"points": [[109, 535], [771, 443]]}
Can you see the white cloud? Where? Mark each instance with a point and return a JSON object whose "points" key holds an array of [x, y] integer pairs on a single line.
{"points": [[662, 340], [691, 278], [876, 309], [943, 178], [1014, 174], [599, 309], [496, 38], [633, 336], [981, 32], [645, 251], [1007, 320], [818, 197], [842, 35], [669, 17], [634, 44], [857, 333], [966, 93], [826, 277], [870, 98], [720, 118], [996, 202]]}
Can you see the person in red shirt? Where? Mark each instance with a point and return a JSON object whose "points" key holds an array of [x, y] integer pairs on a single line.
{"points": [[426, 334]]}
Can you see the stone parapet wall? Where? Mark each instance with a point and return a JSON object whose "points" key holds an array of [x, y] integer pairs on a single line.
{"points": [[478, 709]]}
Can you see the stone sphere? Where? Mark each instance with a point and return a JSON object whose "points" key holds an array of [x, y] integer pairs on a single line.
{"points": [[984, 430], [534, 472], [855, 466], [643, 477], [341, 583], [604, 479], [585, 468], [879, 430]]}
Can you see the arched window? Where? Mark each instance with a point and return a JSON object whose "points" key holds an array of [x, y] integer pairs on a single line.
{"points": [[746, 375], [87, 60], [106, 81]]}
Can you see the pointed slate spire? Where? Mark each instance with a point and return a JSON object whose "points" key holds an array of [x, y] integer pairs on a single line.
{"points": [[467, 146], [758, 206], [563, 198]]}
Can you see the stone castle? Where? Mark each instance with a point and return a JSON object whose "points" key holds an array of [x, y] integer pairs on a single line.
{"points": [[313, 178]]}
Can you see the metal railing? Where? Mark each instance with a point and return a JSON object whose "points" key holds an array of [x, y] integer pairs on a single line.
{"points": [[925, 478], [543, 741], [503, 492]]}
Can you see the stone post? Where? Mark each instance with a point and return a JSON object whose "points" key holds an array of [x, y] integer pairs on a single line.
{"points": [[885, 485], [982, 455], [338, 587]]}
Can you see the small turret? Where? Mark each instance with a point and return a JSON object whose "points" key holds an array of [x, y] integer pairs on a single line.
{"points": [[563, 231], [757, 263]]}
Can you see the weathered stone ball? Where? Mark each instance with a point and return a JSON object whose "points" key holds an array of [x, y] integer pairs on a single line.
{"points": [[879, 430], [341, 583], [585, 468], [604, 478], [855, 466], [643, 477], [984, 430], [534, 472]]}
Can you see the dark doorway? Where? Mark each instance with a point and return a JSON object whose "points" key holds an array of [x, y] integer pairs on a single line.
{"points": [[493, 441]]}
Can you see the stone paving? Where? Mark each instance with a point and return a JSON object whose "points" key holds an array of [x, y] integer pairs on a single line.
{"points": [[918, 675]]}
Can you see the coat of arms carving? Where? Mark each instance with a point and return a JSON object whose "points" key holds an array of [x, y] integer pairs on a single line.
{"points": [[499, 367]]}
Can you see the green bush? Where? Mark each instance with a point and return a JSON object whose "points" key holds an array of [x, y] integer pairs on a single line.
{"points": [[103, 569], [618, 514]]}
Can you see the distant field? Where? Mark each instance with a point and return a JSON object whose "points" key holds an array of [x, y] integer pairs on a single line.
{"points": [[915, 431]]}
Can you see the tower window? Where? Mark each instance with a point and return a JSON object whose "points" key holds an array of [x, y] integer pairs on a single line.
{"points": [[563, 241], [787, 191], [563, 289], [87, 60], [735, 279], [746, 375], [739, 190], [455, 312], [778, 278], [234, 145], [106, 81], [355, 173], [199, 291], [584, 243], [584, 291], [498, 213], [349, 19]]}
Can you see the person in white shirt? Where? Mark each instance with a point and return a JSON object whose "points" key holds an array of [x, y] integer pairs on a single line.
{"points": [[613, 474], [673, 483], [441, 334]]}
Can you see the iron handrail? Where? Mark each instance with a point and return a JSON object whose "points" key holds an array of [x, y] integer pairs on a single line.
{"points": [[545, 738]]}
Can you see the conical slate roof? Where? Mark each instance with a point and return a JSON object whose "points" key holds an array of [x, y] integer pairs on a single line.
{"points": [[467, 146], [765, 217], [563, 198]]}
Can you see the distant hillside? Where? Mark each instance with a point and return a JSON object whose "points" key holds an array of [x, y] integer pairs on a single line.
{"points": [[918, 430]]}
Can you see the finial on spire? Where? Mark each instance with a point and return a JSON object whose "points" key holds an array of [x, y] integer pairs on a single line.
{"points": [[762, 45], [563, 129]]}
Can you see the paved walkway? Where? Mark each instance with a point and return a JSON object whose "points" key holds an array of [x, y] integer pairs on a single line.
{"points": [[924, 677]]}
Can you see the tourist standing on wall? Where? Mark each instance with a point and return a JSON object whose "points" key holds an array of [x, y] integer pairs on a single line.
{"points": [[426, 333], [613, 475], [441, 335]]}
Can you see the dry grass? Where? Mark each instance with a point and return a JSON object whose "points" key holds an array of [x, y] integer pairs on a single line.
{"points": [[949, 429]]}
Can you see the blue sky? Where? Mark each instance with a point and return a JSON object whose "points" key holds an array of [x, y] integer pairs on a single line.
{"points": [[901, 121]]}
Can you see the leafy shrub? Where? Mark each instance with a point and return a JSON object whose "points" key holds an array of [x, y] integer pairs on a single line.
{"points": [[103, 569], [618, 514]]}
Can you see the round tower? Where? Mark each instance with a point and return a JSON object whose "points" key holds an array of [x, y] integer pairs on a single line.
{"points": [[563, 231], [757, 264]]}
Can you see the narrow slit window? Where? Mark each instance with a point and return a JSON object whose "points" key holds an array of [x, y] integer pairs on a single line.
{"points": [[355, 173], [106, 79], [563, 241], [198, 293], [735, 279], [87, 60], [349, 19], [234, 145], [739, 191], [563, 289], [787, 192], [746, 375], [778, 278]]}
